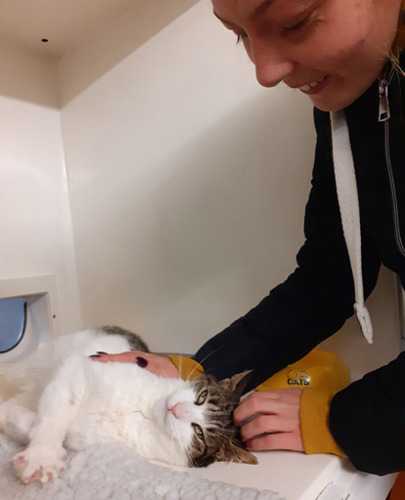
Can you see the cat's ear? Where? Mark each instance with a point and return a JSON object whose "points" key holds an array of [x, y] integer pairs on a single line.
{"points": [[238, 383], [234, 453]]}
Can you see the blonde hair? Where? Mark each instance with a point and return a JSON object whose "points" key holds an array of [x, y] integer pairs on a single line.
{"points": [[399, 42]]}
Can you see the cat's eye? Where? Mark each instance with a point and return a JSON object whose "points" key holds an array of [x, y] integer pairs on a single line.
{"points": [[201, 398], [198, 431]]}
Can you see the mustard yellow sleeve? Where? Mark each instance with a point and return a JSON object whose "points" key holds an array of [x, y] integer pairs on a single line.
{"points": [[187, 367], [320, 375], [314, 417]]}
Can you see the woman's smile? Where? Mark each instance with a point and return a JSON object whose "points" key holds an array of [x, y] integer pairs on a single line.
{"points": [[312, 87]]}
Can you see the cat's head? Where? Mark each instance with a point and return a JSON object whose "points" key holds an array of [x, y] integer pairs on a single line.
{"points": [[199, 416]]}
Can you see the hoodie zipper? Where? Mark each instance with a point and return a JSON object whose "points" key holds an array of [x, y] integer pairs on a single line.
{"points": [[383, 116]]}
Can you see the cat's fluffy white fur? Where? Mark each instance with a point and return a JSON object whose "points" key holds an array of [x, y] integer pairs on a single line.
{"points": [[67, 399]]}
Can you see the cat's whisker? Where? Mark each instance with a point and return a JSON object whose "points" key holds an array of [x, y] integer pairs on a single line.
{"points": [[144, 416], [180, 365], [200, 363]]}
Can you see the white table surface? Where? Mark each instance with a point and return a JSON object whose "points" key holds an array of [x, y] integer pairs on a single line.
{"points": [[297, 476]]}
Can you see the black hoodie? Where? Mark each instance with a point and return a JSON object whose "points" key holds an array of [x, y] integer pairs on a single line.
{"points": [[367, 419]]}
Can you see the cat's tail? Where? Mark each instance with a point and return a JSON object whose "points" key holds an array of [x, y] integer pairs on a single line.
{"points": [[8, 390], [19, 381], [17, 376], [9, 384]]}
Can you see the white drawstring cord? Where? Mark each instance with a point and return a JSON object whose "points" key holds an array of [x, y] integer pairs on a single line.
{"points": [[346, 187]]}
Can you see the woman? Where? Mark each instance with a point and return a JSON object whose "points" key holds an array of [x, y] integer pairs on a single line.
{"points": [[344, 55]]}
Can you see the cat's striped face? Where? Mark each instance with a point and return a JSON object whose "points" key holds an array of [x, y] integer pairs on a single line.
{"points": [[199, 418]]}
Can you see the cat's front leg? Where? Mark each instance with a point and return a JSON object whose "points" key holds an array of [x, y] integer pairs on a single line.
{"points": [[58, 407]]}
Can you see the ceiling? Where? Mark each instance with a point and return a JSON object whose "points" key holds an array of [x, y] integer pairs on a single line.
{"points": [[84, 40], [63, 23]]}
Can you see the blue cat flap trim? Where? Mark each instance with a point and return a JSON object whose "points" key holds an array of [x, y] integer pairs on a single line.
{"points": [[12, 322]]}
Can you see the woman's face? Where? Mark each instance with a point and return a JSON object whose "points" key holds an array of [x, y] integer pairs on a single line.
{"points": [[331, 50]]}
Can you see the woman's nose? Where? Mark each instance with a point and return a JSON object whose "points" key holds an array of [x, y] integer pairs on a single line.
{"points": [[271, 65], [270, 76]]}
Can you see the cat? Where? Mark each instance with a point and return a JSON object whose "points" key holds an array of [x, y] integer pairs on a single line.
{"points": [[66, 400]]}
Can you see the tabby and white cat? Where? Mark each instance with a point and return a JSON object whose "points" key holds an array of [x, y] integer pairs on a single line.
{"points": [[66, 400]]}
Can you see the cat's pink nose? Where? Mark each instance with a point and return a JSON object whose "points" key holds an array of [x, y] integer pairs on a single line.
{"points": [[177, 410]]}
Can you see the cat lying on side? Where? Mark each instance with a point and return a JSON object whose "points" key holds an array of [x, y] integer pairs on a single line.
{"points": [[65, 399]]}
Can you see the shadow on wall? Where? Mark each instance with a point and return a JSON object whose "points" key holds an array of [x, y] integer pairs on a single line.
{"points": [[210, 237]]}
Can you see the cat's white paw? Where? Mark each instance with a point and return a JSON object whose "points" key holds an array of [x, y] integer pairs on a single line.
{"points": [[38, 465]]}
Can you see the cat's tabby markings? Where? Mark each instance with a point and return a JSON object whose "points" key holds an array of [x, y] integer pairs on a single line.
{"points": [[64, 400]]}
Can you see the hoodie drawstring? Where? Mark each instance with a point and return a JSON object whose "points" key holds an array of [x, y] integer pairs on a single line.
{"points": [[346, 187]]}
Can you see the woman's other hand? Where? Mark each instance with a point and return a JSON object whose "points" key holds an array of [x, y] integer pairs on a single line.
{"points": [[270, 420], [159, 365]]}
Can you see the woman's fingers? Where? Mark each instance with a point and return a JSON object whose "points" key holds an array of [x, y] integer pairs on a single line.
{"points": [[267, 402], [279, 441], [264, 424], [159, 365], [270, 420], [122, 357]]}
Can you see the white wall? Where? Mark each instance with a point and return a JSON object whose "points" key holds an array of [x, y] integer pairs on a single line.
{"points": [[187, 195], [35, 223]]}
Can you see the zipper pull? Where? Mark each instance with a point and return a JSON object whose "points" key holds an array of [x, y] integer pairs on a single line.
{"points": [[384, 107]]}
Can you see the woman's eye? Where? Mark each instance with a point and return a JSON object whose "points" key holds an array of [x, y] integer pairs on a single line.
{"points": [[240, 37], [297, 26], [198, 431], [201, 398]]}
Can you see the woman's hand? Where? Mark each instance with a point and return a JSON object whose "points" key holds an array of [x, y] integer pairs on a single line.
{"points": [[159, 365], [270, 420]]}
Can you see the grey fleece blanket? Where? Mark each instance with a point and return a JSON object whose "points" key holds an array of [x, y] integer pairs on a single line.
{"points": [[113, 471]]}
